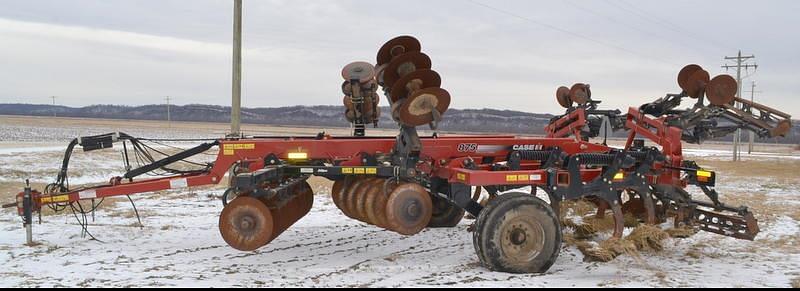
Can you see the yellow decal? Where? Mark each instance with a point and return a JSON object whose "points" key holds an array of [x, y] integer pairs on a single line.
{"points": [[372, 171], [230, 149], [522, 177], [706, 174], [55, 199], [511, 178], [347, 170], [359, 171], [461, 177], [619, 176]]}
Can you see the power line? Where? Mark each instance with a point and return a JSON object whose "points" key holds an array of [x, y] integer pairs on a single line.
{"points": [[665, 23], [578, 35], [633, 27]]}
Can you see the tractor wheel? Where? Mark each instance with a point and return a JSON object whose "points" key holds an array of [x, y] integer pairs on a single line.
{"points": [[445, 213], [517, 233]]}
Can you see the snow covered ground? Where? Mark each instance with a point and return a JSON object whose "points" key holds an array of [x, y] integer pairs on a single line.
{"points": [[180, 245]]}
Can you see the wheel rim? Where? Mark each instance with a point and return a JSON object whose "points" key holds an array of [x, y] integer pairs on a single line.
{"points": [[522, 238]]}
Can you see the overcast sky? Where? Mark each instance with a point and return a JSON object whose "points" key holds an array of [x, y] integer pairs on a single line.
{"points": [[495, 54]]}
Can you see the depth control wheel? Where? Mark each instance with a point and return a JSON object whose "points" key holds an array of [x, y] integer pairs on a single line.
{"points": [[246, 224], [445, 213], [517, 233]]}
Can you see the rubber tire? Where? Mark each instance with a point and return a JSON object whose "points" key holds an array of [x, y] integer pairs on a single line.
{"points": [[486, 238], [446, 217]]}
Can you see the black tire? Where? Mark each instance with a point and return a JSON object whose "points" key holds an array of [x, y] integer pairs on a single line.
{"points": [[445, 213], [517, 233]]}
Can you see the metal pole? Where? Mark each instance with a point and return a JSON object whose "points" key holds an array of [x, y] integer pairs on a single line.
{"points": [[752, 133], [54, 105], [27, 213], [738, 135], [237, 69], [169, 118]]}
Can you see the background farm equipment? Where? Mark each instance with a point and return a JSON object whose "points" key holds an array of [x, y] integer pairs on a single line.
{"points": [[407, 183]]}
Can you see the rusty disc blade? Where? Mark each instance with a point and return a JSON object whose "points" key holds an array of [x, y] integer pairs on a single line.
{"points": [[404, 65], [361, 71], [782, 129], [336, 191], [369, 192], [562, 96], [697, 84], [417, 110], [353, 196], [346, 192], [721, 90], [398, 46], [246, 224], [580, 93], [419, 79], [297, 208], [376, 205], [348, 103], [686, 73], [409, 209]]}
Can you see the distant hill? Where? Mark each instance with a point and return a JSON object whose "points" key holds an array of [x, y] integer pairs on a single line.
{"points": [[461, 120]]}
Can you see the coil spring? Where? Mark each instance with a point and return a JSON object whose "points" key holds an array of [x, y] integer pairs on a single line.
{"points": [[535, 155], [595, 159]]}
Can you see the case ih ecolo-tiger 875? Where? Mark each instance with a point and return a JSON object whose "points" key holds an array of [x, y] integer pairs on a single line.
{"points": [[408, 182]]}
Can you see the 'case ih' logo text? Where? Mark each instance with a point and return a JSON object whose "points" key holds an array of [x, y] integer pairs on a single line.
{"points": [[467, 148], [528, 147]]}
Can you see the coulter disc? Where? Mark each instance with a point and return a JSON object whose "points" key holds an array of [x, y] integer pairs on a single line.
{"points": [[404, 65], [361, 71], [562, 96], [417, 110], [419, 79], [721, 90], [580, 93], [685, 74], [697, 84], [396, 47]]}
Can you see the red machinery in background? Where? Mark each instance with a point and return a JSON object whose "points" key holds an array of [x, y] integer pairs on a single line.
{"points": [[407, 183]]}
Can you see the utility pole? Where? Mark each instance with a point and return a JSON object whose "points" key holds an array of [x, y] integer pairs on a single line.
{"points": [[752, 134], [740, 62], [169, 118], [54, 105], [237, 69]]}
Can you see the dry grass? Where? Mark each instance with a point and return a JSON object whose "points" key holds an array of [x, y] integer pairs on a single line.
{"points": [[796, 282], [648, 238], [681, 232]]}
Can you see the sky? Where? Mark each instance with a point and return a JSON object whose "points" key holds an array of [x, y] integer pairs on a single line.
{"points": [[502, 54]]}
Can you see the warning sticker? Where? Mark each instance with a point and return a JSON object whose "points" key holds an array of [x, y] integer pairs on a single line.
{"points": [[178, 183]]}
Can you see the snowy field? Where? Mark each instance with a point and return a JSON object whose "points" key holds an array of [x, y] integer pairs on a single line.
{"points": [[179, 243]]}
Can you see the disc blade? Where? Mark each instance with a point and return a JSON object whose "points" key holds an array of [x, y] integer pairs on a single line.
{"points": [[404, 65], [397, 46], [580, 93], [697, 83], [686, 73], [409, 209], [721, 90], [417, 109], [246, 224], [424, 78], [562, 96], [361, 71]]}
